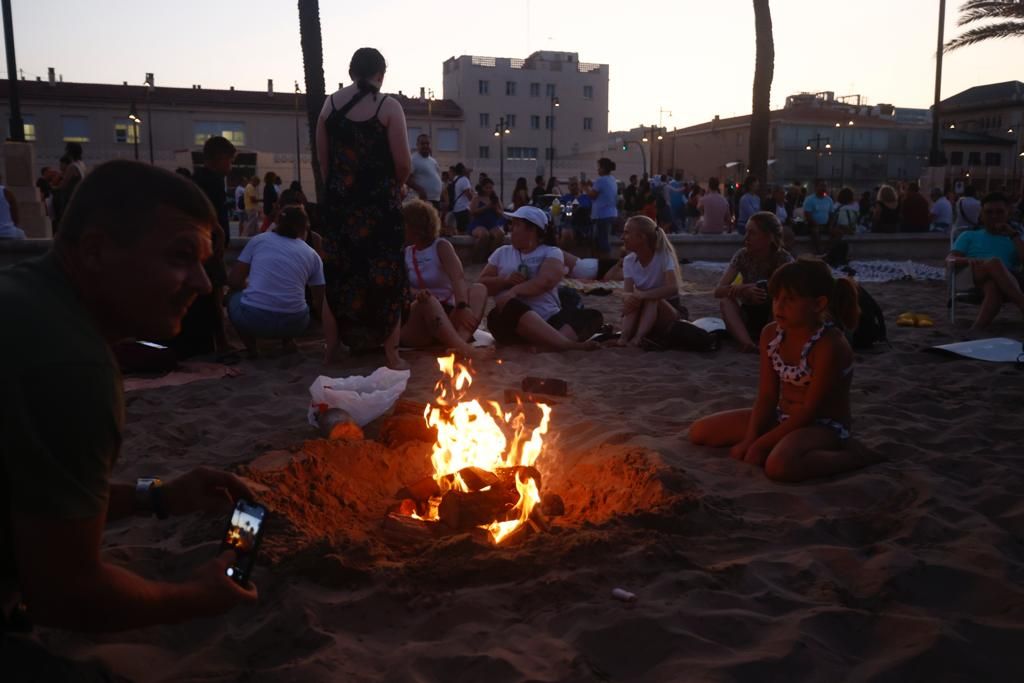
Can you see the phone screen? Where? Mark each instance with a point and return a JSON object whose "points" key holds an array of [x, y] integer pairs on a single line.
{"points": [[243, 535]]}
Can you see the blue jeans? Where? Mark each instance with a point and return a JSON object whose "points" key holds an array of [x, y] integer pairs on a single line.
{"points": [[602, 234], [263, 324]]}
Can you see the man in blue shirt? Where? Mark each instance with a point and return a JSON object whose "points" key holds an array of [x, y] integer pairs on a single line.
{"points": [[994, 253], [750, 203], [606, 205], [817, 211]]}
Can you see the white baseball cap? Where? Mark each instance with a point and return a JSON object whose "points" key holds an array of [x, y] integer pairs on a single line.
{"points": [[531, 214]]}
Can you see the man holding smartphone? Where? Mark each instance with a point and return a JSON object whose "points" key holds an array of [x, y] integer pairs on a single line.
{"points": [[127, 263]]}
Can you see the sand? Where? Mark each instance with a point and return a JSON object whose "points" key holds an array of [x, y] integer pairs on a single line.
{"points": [[909, 570]]}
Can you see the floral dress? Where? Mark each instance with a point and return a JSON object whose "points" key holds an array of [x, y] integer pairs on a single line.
{"points": [[366, 282]]}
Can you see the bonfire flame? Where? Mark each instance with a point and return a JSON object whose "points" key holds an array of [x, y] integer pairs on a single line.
{"points": [[472, 435]]}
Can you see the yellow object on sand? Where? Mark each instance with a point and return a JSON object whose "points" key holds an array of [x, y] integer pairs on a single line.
{"points": [[914, 320]]}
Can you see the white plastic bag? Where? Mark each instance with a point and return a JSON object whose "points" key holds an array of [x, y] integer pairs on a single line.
{"points": [[364, 398]]}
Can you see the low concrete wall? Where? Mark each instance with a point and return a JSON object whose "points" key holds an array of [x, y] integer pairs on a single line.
{"points": [[921, 247]]}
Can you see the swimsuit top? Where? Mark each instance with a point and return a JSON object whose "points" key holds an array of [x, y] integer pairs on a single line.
{"points": [[800, 374]]}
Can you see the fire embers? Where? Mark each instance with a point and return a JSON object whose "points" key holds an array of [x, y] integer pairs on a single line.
{"points": [[484, 474]]}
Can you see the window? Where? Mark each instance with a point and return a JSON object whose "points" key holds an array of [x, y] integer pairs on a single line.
{"points": [[534, 122], [76, 128], [125, 131], [548, 153], [549, 90], [448, 139], [234, 131], [993, 159], [484, 87], [549, 122], [588, 123], [521, 153], [973, 158], [485, 120], [28, 125], [510, 120], [956, 158], [485, 152], [510, 88], [535, 90], [588, 92]]}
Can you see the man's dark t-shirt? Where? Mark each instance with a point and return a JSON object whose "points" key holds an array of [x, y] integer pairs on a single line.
{"points": [[61, 403], [212, 185], [916, 213]]}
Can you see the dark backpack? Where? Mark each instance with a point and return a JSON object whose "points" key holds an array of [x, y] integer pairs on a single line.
{"points": [[871, 328]]}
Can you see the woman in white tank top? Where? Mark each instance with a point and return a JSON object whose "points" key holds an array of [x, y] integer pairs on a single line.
{"points": [[445, 308]]}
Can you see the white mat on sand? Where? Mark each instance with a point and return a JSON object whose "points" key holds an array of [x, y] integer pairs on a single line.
{"points": [[864, 271], [995, 350]]}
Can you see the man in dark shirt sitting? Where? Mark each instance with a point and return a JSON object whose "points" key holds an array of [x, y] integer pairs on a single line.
{"points": [[202, 330], [127, 263]]}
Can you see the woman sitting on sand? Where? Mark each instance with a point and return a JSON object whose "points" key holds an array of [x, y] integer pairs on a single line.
{"points": [[486, 219], [445, 308], [651, 274], [746, 308], [270, 279], [523, 277], [799, 427]]}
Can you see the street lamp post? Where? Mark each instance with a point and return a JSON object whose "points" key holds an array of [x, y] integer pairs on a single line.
{"points": [[817, 140], [16, 122], [134, 118], [149, 113], [551, 138], [500, 131], [298, 148], [842, 151]]}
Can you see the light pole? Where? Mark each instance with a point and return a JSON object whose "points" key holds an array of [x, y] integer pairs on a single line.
{"points": [[551, 137], [17, 124], [149, 113], [500, 131], [817, 140], [643, 157], [134, 118], [935, 156], [842, 151], [298, 149]]}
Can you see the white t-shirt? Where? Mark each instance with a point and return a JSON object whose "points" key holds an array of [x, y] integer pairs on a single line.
{"points": [[239, 194], [280, 269], [462, 201], [968, 212], [650, 276], [427, 273], [943, 211], [507, 259], [427, 175]]}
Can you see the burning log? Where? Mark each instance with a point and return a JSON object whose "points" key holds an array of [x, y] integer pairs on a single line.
{"points": [[513, 396], [403, 428], [508, 475], [407, 530], [462, 511], [476, 478], [420, 491]]}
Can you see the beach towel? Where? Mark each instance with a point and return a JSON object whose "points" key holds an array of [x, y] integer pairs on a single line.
{"points": [[863, 271], [995, 350]]}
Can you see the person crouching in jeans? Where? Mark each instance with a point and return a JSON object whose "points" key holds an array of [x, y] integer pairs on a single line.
{"points": [[270, 280]]}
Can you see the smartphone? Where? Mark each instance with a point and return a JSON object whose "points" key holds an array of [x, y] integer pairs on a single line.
{"points": [[245, 530]]}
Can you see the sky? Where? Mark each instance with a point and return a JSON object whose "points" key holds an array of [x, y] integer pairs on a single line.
{"points": [[674, 63]]}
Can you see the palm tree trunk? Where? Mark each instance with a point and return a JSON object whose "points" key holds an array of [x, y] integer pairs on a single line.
{"points": [[764, 72], [313, 65]]}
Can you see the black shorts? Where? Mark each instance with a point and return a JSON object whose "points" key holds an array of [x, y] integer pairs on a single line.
{"points": [[755, 318], [502, 324], [462, 221]]}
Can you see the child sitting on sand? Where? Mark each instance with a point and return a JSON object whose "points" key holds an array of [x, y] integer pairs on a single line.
{"points": [[799, 427], [651, 274]]}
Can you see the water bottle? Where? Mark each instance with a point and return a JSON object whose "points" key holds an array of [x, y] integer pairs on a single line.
{"points": [[556, 210]]}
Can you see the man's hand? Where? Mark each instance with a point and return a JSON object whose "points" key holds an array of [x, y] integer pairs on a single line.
{"points": [[215, 591], [751, 293], [513, 279], [739, 451], [204, 490]]}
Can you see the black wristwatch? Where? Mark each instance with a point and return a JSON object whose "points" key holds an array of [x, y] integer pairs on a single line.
{"points": [[149, 497], [461, 305]]}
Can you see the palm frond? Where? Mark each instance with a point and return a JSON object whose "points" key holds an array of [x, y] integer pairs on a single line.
{"points": [[981, 10], [1006, 29]]}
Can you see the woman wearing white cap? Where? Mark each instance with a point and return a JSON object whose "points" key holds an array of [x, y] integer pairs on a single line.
{"points": [[523, 277]]}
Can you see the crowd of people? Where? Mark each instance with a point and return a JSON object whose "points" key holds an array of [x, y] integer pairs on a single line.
{"points": [[140, 255]]}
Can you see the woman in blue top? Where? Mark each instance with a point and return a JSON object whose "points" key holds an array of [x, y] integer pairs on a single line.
{"points": [[994, 253], [606, 205]]}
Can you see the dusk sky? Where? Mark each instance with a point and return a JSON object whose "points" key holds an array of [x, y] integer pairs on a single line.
{"points": [[695, 59]]}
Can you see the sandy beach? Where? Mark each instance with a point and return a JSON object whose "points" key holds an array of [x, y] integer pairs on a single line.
{"points": [[910, 570]]}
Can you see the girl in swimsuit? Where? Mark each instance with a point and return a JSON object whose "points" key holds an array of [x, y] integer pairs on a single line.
{"points": [[799, 427]]}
